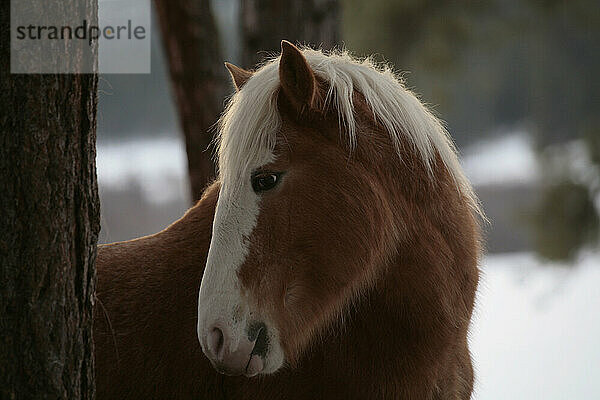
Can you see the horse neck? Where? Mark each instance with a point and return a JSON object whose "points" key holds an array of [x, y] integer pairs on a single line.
{"points": [[398, 341], [406, 336]]}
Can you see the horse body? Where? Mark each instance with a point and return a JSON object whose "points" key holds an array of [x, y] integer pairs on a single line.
{"points": [[145, 313], [361, 271]]}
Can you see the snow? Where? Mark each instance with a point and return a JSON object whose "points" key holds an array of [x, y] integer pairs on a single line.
{"points": [[536, 329], [505, 159], [158, 166]]}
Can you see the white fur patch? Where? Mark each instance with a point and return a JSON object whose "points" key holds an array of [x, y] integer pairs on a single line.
{"points": [[220, 299]]}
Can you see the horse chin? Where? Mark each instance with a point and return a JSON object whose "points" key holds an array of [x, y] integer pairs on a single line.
{"points": [[274, 359]]}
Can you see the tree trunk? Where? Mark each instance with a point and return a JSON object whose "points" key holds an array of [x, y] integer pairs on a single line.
{"points": [[49, 223], [198, 77], [266, 22]]}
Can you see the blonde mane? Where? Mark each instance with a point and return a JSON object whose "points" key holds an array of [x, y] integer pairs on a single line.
{"points": [[251, 120]]}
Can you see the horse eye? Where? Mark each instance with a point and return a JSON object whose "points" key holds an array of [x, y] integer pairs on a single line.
{"points": [[262, 182]]}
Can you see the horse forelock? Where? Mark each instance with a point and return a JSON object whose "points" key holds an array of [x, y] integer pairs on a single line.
{"points": [[249, 125]]}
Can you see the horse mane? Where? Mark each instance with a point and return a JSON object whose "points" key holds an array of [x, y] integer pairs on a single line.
{"points": [[251, 120]]}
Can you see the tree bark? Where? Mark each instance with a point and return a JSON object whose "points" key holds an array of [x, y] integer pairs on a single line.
{"points": [[266, 22], [49, 223], [198, 77]]}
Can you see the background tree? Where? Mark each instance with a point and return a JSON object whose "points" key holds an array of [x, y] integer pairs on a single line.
{"points": [[567, 216], [266, 22], [198, 78], [49, 223]]}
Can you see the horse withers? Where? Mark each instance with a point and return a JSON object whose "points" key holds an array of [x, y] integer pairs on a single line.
{"points": [[336, 256]]}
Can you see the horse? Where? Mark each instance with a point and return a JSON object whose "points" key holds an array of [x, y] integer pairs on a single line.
{"points": [[335, 256]]}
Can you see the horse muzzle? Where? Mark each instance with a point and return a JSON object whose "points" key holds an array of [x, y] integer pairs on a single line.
{"points": [[236, 356]]}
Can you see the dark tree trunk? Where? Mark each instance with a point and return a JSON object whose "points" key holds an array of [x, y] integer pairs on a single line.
{"points": [[266, 22], [198, 77], [49, 223]]}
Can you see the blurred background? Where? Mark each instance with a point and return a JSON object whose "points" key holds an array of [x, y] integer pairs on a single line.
{"points": [[516, 82]]}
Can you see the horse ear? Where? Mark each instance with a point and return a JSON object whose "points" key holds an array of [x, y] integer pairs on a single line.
{"points": [[296, 77], [239, 75]]}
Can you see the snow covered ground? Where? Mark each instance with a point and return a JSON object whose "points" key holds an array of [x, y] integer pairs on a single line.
{"points": [[504, 159], [158, 166], [536, 329]]}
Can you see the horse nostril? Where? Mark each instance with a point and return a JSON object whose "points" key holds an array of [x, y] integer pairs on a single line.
{"points": [[258, 334], [261, 345], [216, 342]]}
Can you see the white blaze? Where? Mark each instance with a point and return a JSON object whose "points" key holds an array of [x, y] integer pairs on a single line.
{"points": [[220, 298]]}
